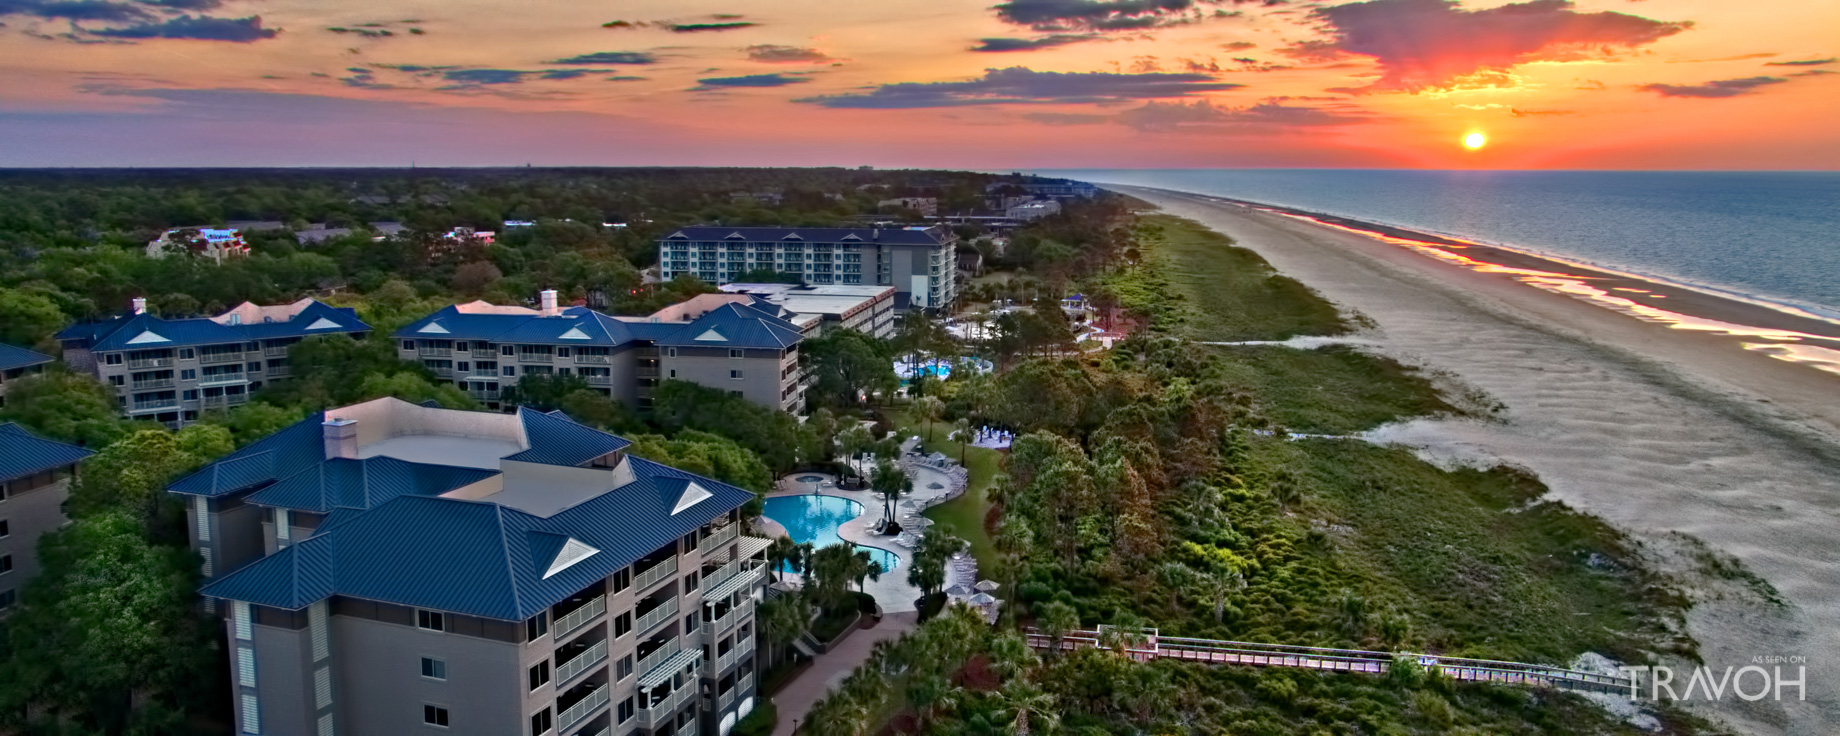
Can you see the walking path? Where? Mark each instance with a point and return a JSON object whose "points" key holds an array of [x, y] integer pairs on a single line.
{"points": [[827, 671]]}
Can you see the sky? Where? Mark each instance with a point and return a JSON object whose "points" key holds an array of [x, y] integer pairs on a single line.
{"points": [[1548, 84]]}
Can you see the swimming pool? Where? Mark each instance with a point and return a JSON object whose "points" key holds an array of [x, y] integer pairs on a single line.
{"points": [[814, 518]]}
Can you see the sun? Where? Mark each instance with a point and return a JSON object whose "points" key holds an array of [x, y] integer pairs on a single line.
{"points": [[1474, 141]]}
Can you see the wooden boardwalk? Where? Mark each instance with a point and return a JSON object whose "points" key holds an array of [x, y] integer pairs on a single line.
{"points": [[1146, 644]]}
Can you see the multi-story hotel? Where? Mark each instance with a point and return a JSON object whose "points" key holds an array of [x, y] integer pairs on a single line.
{"points": [[735, 343], [170, 370], [35, 478], [17, 363], [391, 568], [917, 261]]}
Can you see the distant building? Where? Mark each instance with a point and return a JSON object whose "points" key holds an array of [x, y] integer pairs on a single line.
{"points": [[463, 234], [205, 242], [17, 362], [767, 198], [35, 478], [916, 261], [390, 568], [170, 370], [510, 224], [970, 263], [748, 350], [868, 309], [926, 206], [1033, 209]]}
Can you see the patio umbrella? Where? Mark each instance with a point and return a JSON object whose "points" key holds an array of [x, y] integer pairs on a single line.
{"points": [[987, 585], [983, 599], [935, 486], [958, 591]]}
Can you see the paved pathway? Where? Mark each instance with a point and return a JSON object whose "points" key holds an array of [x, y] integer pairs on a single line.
{"points": [[830, 668]]}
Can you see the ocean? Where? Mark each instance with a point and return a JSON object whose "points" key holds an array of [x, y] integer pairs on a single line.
{"points": [[1770, 237]]}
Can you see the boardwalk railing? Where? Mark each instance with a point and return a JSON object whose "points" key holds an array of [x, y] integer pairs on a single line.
{"points": [[1145, 644]]}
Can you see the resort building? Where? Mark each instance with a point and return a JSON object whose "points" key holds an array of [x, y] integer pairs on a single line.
{"points": [[916, 261], [35, 478], [170, 370], [926, 206], [392, 568], [18, 362], [746, 349], [868, 309], [213, 243], [1033, 209]]}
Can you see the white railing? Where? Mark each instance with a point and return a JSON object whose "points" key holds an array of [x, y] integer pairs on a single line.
{"points": [[435, 352], [651, 661], [746, 683], [715, 629], [485, 353], [578, 617], [725, 699], [582, 708], [225, 400], [599, 380], [156, 404], [222, 379], [652, 575], [659, 714], [735, 653], [722, 536], [689, 729], [593, 656], [721, 575], [537, 357], [656, 616], [275, 352], [600, 359], [150, 363], [152, 383], [216, 358]]}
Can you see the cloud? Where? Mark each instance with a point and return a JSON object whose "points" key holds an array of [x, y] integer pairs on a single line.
{"points": [[999, 45], [772, 54], [1094, 15], [200, 27], [365, 32], [185, 4], [100, 10], [626, 79], [1519, 113], [1021, 85], [1239, 45], [1271, 115], [1713, 90], [572, 73], [1425, 44], [750, 80], [696, 27], [609, 57], [1066, 118], [1803, 62], [471, 77]]}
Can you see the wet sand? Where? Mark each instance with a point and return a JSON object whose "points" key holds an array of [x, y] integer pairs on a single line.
{"points": [[1656, 427]]}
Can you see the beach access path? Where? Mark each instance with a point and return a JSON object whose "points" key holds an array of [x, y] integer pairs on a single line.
{"points": [[1656, 430]]}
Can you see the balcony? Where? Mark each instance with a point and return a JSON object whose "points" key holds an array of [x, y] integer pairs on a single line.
{"points": [[226, 400], [220, 358], [714, 629], [659, 714], [153, 384], [579, 617], [653, 575], [721, 536], [745, 684], [537, 357], [599, 380], [735, 653], [484, 353], [442, 372], [594, 655], [651, 619], [643, 372], [428, 352], [275, 352], [222, 379], [154, 405], [479, 372], [726, 699], [478, 395], [582, 708], [658, 656], [594, 359], [689, 729], [280, 371]]}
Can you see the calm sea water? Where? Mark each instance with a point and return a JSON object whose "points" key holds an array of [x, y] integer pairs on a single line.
{"points": [[1770, 236]]}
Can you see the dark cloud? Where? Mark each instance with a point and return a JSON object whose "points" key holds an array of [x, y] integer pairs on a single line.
{"points": [[750, 80], [1066, 118], [185, 4], [471, 77], [1238, 45], [572, 73], [365, 32], [1165, 116], [200, 27], [626, 79], [1813, 73], [696, 27], [1717, 89], [1422, 44], [1803, 62], [997, 45], [1094, 15], [100, 10], [1021, 85], [610, 57], [772, 54], [619, 24]]}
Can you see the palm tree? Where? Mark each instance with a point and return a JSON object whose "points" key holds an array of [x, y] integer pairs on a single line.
{"points": [[1031, 706], [783, 619], [864, 567], [931, 409], [891, 482], [1175, 576], [1057, 619], [962, 425], [1010, 656], [780, 551]]}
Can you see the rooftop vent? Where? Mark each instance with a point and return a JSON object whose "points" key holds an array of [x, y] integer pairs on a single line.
{"points": [[341, 438]]}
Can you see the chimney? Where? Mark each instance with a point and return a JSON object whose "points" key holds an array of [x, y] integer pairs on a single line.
{"points": [[341, 438], [549, 303], [140, 305]]}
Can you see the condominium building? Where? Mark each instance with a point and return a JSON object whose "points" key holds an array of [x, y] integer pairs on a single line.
{"points": [[35, 478], [17, 363], [204, 242], [866, 309], [392, 568], [749, 350], [170, 370], [916, 261]]}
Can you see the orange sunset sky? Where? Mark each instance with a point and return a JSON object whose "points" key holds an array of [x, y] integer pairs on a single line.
{"points": [[1610, 84]]}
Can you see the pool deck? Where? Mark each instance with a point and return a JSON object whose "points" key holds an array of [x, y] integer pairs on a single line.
{"points": [[892, 592]]}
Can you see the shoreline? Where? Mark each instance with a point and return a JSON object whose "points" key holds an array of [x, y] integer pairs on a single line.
{"points": [[1659, 431]]}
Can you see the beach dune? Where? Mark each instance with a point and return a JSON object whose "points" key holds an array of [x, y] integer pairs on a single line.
{"points": [[1660, 431]]}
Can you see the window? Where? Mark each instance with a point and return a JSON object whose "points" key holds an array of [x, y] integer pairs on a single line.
{"points": [[408, 345], [434, 669], [191, 394], [252, 367], [112, 359], [186, 354], [463, 367], [690, 624], [626, 709], [6, 529], [622, 624], [735, 375], [737, 353], [117, 380], [736, 394], [690, 541], [461, 346], [539, 675], [622, 579], [434, 715], [540, 723], [536, 627], [7, 599], [690, 581], [563, 371], [673, 373], [563, 352], [670, 352], [623, 668], [509, 370], [246, 666], [507, 350], [6, 564], [431, 620], [252, 715]]}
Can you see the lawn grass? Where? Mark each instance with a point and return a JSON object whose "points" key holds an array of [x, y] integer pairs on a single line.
{"points": [[1228, 293], [963, 516], [1330, 390]]}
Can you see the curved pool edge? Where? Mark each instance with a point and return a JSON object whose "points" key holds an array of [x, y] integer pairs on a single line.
{"points": [[839, 529]]}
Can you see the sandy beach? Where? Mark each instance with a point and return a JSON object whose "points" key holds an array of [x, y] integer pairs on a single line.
{"points": [[1660, 425]]}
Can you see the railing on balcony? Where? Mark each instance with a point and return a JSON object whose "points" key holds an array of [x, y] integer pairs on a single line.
{"points": [[722, 536], [596, 359], [599, 380], [656, 616], [275, 352], [579, 617], [479, 372], [651, 661], [155, 404], [150, 363], [725, 699], [443, 372], [646, 372], [654, 715], [222, 379], [715, 579], [689, 729], [478, 395], [428, 352], [735, 653], [661, 571], [152, 384], [217, 358], [721, 624], [594, 655], [746, 683], [485, 353], [580, 710], [225, 400], [537, 357]]}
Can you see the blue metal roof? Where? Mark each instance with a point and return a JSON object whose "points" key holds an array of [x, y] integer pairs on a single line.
{"points": [[148, 332], [555, 439], [363, 484], [574, 326], [299, 447], [477, 557], [22, 453], [935, 235], [735, 326], [16, 357]]}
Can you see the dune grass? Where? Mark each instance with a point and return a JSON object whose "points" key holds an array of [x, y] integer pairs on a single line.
{"points": [[1330, 390], [1224, 292]]}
